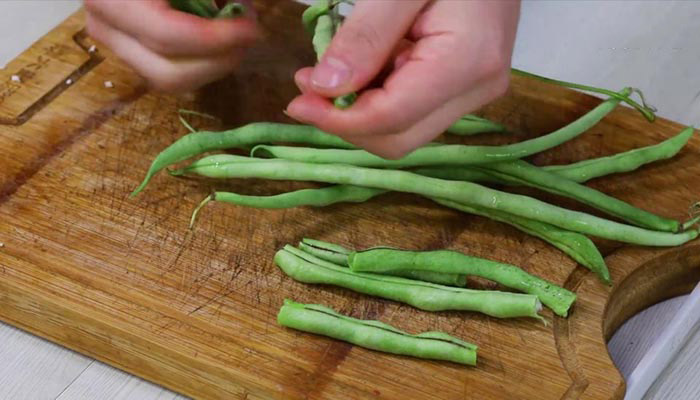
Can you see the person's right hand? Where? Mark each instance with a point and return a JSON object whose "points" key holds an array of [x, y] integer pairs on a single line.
{"points": [[173, 50]]}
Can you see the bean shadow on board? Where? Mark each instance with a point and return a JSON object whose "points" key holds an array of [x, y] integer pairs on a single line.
{"points": [[263, 85]]}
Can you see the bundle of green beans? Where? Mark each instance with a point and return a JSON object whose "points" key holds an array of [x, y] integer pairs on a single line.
{"points": [[208, 8]]}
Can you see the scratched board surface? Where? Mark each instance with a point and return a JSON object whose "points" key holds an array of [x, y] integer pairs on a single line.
{"points": [[125, 281]]}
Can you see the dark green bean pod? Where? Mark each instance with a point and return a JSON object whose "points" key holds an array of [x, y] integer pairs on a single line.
{"points": [[375, 335]]}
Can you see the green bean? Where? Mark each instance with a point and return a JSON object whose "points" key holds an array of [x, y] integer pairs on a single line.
{"points": [[520, 172], [313, 13], [260, 132], [582, 171], [339, 255], [380, 260], [322, 15], [330, 252], [574, 244], [471, 125], [231, 10], [375, 335], [623, 162], [307, 197], [446, 154], [467, 193], [304, 267], [323, 35]]}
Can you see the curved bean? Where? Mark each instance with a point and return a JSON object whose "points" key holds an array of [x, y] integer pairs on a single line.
{"points": [[375, 335], [454, 154], [259, 132], [582, 171], [339, 255], [574, 244], [623, 162], [467, 193], [306, 268], [380, 260]]}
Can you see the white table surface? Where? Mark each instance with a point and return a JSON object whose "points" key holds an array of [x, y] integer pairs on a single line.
{"points": [[652, 45]]}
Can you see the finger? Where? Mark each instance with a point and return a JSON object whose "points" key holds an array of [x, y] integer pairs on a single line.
{"points": [[363, 45], [434, 73], [169, 32], [398, 145], [162, 73], [302, 78]]}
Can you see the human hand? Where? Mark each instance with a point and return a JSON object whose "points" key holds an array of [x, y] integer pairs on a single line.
{"points": [[173, 50], [446, 58]]}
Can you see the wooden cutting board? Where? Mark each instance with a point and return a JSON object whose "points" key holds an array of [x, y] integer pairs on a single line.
{"points": [[123, 280]]}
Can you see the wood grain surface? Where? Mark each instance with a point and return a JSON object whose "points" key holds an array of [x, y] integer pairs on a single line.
{"points": [[123, 280]]}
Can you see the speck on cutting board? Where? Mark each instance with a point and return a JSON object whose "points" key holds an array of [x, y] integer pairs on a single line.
{"points": [[109, 84], [16, 78]]}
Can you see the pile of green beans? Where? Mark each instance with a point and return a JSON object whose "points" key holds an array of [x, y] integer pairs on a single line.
{"points": [[208, 9], [430, 266], [466, 193], [375, 335]]}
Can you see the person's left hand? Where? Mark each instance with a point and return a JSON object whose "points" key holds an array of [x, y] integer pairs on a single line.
{"points": [[446, 58]]}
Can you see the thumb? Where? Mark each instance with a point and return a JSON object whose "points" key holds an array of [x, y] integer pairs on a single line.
{"points": [[363, 44]]}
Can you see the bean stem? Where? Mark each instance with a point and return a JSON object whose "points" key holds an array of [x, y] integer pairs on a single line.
{"points": [[645, 109]]}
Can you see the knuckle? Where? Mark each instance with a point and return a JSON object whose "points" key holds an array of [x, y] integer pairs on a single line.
{"points": [[365, 37]]}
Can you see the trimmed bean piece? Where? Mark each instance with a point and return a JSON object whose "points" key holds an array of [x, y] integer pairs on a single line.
{"points": [[339, 255], [380, 260], [375, 335]]}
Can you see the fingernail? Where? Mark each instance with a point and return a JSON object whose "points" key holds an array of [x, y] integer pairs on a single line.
{"points": [[331, 73]]}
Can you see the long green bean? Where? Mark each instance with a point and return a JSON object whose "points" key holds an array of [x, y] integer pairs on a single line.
{"points": [[467, 193], [447, 154], [520, 172], [379, 260], [581, 171], [252, 134], [304, 267], [375, 335], [339, 255]]}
